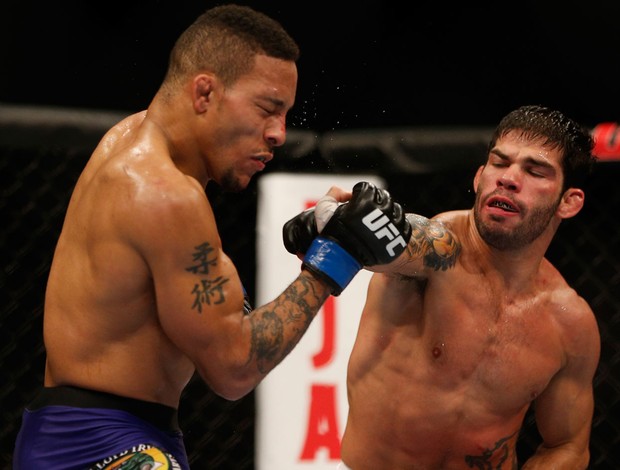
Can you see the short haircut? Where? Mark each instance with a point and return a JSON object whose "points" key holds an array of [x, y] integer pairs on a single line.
{"points": [[558, 132], [225, 40]]}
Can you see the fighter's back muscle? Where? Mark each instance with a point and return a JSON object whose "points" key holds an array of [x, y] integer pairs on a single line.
{"points": [[100, 289]]}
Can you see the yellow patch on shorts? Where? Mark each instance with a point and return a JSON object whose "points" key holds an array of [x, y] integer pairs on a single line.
{"points": [[139, 457]]}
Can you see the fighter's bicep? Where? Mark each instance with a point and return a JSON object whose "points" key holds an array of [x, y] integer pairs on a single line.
{"points": [[433, 242], [204, 289], [432, 247], [194, 280], [564, 413]]}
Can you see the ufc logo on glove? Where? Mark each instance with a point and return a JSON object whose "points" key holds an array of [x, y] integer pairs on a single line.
{"points": [[379, 223], [352, 238]]}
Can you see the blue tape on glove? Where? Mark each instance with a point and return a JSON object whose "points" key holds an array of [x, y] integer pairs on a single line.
{"points": [[332, 260]]}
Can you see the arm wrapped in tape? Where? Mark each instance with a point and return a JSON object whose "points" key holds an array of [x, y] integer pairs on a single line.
{"points": [[368, 230], [299, 232]]}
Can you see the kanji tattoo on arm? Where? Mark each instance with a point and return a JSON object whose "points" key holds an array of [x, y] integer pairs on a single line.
{"points": [[208, 290]]}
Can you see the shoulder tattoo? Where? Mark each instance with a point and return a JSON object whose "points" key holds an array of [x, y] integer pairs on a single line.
{"points": [[433, 241]]}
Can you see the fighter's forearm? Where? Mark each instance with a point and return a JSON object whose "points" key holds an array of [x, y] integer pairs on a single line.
{"points": [[278, 326], [558, 458]]}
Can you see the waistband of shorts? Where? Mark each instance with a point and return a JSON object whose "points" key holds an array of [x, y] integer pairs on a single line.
{"points": [[161, 416]]}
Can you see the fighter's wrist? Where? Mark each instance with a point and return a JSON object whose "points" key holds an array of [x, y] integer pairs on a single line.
{"points": [[328, 260]]}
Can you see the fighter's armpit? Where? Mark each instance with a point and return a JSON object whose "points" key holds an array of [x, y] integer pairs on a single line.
{"points": [[433, 241]]}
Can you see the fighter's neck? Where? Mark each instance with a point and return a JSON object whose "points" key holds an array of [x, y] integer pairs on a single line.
{"points": [[167, 132], [515, 268]]}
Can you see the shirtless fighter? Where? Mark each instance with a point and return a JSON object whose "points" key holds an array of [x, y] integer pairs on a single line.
{"points": [[141, 295], [472, 324]]}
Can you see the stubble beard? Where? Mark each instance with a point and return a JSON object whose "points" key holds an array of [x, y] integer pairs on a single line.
{"points": [[230, 183], [534, 224]]}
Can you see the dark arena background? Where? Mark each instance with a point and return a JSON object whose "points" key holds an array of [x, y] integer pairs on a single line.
{"points": [[43, 150], [409, 96]]}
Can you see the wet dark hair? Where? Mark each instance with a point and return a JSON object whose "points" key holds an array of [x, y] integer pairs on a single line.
{"points": [[558, 132], [225, 40]]}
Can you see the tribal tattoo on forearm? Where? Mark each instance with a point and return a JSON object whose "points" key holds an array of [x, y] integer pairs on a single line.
{"points": [[434, 241]]}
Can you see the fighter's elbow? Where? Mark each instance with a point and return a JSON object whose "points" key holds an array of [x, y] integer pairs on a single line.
{"points": [[231, 393], [560, 457], [229, 385]]}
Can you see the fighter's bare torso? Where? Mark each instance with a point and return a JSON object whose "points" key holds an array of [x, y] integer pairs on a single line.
{"points": [[100, 290], [455, 361]]}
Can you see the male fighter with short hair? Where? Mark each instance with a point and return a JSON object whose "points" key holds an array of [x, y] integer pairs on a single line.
{"points": [[140, 293], [472, 324]]}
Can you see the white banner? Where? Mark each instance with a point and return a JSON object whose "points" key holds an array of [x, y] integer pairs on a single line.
{"points": [[302, 404]]}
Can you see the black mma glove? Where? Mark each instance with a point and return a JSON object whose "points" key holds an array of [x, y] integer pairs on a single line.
{"points": [[368, 230], [299, 232]]}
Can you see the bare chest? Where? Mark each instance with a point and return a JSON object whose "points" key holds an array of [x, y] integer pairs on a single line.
{"points": [[466, 337]]}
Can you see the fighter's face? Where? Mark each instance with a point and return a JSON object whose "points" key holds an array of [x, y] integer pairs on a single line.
{"points": [[518, 191], [249, 121]]}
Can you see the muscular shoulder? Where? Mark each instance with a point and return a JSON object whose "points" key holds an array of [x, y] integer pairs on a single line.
{"points": [[562, 297], [138, 166], [436, 240], [433, 247], [571, 313], [145, 198], [120, 134], [170, 204]]}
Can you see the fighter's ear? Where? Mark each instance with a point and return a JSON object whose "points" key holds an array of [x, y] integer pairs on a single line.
{"points": [[202, 91], [571, 203], [477, 177]]}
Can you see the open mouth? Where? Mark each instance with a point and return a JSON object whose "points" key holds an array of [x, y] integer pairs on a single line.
{"points": [[503, 204], [261, 160]]}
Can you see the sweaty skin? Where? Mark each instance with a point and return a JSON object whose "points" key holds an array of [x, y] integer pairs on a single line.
{"points": [[458, 338], [140, 293]]}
